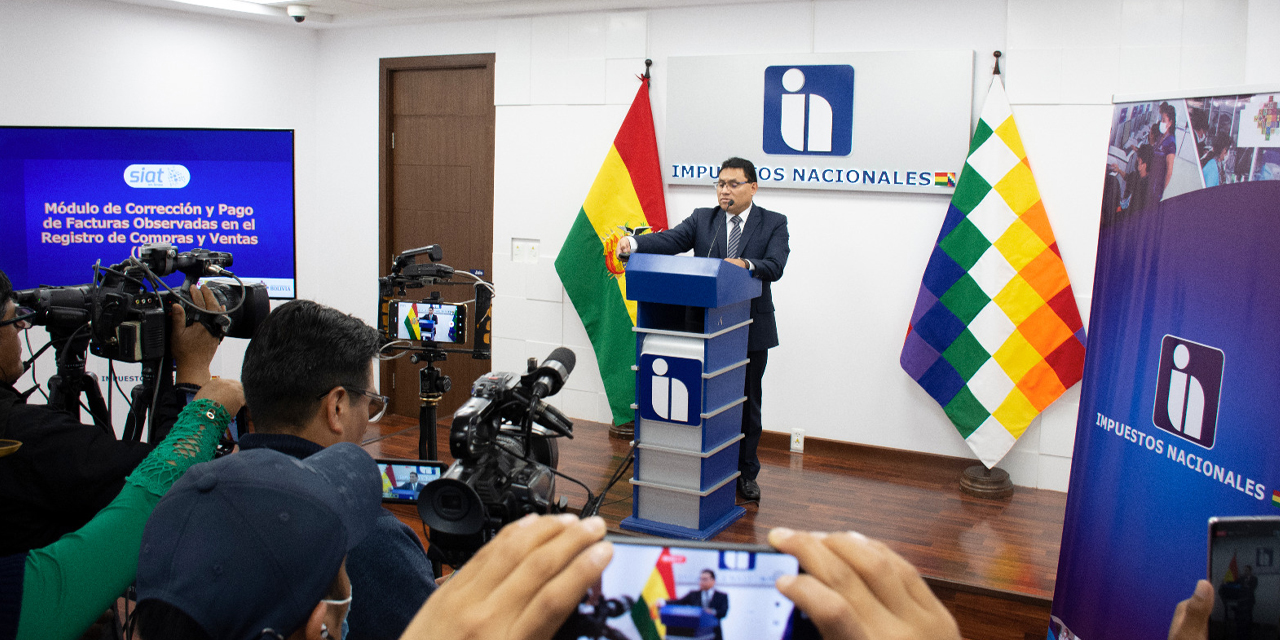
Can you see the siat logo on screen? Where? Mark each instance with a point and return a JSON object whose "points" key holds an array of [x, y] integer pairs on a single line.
{"points": [[157, 176], [1188, 386], [808, 110]]}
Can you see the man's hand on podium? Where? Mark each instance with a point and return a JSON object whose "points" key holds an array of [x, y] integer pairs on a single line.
{"points": [[737, 261], [624, 247]]}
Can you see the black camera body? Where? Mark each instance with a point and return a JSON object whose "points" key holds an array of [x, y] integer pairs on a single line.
{"points": [[127, 323], [504, 466]]}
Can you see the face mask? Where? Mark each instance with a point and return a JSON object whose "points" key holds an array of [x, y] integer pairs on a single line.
{"points": [[1164, 127], [324, 629]]}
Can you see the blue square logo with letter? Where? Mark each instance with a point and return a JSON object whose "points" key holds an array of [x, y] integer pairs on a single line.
{"points": [[1188, 386], [808, 110], [670, 389]]}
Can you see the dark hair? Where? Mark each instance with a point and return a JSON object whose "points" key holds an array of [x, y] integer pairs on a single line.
{"points": [[1221, 142], [1146, 155], [6, 287], [1166, 109], [748, 169], [159, 620], [710, 573], [300, 351]]}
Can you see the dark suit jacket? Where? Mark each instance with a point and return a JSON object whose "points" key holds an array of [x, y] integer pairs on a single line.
{"points": [[765, 242], [719, 601]]}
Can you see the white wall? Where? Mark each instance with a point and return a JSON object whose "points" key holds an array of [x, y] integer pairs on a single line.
{"points": [[563, 86]]}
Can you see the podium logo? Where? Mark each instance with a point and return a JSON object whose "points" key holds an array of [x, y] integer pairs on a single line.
{"points": [[1188, 387], [808, 110], [157, 176], [670, 389]]}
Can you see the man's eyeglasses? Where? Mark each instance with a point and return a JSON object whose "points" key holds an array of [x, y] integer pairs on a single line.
{"points": [[377, 403], [21, 316], [729, 185]]}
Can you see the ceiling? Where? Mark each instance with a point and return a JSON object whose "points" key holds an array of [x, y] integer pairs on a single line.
{"points": [[325, 14]]}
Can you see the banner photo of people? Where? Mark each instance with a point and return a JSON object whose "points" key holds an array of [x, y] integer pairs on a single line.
{"points": [[1179, 399]]}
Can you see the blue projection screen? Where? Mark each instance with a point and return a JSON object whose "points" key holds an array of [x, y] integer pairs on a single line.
{"points": [[72, 196]]}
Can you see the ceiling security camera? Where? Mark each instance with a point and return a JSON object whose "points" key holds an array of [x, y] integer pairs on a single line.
{"points": [[298, 12]]}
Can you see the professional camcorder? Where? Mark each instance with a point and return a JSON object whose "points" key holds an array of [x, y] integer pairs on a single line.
{"points": [[117, 318], [505, 455], [127, 323]]}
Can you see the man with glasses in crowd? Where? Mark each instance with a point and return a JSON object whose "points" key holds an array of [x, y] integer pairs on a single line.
{"points": [[755, 239], [65, 472], [309, 384]]}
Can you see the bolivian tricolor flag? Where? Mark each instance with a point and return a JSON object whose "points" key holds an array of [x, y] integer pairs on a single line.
{"points": [[411, 323], [627, 193], [661, 586]]}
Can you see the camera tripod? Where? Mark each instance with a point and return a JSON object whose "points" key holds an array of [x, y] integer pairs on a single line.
{"points": [[432, 385]]}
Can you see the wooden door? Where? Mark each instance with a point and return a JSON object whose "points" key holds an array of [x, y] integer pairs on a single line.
{"points": [[436, 164]]}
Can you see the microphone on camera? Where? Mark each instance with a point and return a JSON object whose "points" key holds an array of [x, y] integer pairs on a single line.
{"points": [[551, 375]]}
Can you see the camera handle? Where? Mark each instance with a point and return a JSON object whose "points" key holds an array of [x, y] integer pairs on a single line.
{"points": [[432, 385], [71, 380]]}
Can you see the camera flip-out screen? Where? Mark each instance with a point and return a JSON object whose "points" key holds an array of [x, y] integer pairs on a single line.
{"points": [[72, 196]]}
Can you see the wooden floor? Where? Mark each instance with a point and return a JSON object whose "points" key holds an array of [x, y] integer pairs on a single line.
{"points": [[992, 562]]}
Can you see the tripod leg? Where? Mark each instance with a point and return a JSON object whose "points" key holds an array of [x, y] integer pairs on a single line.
{"points": [[97, 405], [427, 446]]}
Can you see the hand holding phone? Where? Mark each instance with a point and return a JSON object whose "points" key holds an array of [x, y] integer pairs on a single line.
{"points": [[858, 588]]}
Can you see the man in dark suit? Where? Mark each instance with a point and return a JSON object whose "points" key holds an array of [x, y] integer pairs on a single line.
{"points": [[750, 237], [714, 602], [413, 483]]}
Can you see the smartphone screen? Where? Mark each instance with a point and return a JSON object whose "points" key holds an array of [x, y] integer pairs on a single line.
{"points": [[403, 480], [662, 588], [429, 321], [1243, 555]]}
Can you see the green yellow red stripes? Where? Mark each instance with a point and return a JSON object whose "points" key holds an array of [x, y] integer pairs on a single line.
{"points": [[627, 193]]}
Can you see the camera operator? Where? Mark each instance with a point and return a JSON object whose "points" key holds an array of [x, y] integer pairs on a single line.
{"points": [[65, 472], [56, 592], [308, 378]]}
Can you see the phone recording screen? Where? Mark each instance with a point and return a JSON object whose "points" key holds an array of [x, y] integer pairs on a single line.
{"points": [[405, 481], [429, 322], [1244, 568], [656, 589]]}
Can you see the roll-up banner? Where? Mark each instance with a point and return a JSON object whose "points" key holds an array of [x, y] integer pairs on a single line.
{"points": [[1180, 408]]}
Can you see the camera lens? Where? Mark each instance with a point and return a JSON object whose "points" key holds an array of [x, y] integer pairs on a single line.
{"points": [[451, 506]]}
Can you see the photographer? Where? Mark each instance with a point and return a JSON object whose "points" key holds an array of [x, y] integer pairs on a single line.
{"points": [[65, 472], [308, 378]]}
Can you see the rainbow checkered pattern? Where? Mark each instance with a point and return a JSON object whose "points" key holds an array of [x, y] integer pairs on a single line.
{"points": [[995, 336]]}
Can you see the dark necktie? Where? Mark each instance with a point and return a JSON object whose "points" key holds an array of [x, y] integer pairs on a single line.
{"points": [[735, 235]]}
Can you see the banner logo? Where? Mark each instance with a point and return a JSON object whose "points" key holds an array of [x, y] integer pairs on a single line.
{"points": [[157, 176], [808, 110], [670, 389], [1188, 388]]}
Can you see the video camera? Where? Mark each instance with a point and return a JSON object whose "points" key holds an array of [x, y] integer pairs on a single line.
{"points": [[117, 318], [126, 322], [504, 465]]}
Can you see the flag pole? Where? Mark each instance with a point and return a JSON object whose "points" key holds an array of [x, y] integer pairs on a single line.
{"points": [[978, 480]]}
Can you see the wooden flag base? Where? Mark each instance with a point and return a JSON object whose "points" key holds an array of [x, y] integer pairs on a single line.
{"points": [[982, 482], [625, 431]]}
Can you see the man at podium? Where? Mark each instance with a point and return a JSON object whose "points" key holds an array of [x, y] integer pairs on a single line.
{"points": [[750, 237], [714, 602]]}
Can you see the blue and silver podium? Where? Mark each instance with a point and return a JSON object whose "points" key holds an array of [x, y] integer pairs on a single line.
{"points": [[691, 358]]}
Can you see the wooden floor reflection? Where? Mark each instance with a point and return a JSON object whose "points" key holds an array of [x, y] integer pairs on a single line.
{"points": [[993, 562]]}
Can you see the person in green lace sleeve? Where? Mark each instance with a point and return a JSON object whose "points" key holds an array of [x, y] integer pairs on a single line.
{"points": [[59, 590]]}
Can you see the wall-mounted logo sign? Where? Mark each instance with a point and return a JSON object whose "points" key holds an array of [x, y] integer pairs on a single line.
{"points": [[801, 120], [1188, 386], [808, 109]]}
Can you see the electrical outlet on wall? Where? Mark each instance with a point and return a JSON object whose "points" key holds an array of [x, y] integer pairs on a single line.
{"points": [[797, 440], [524, 250]]}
